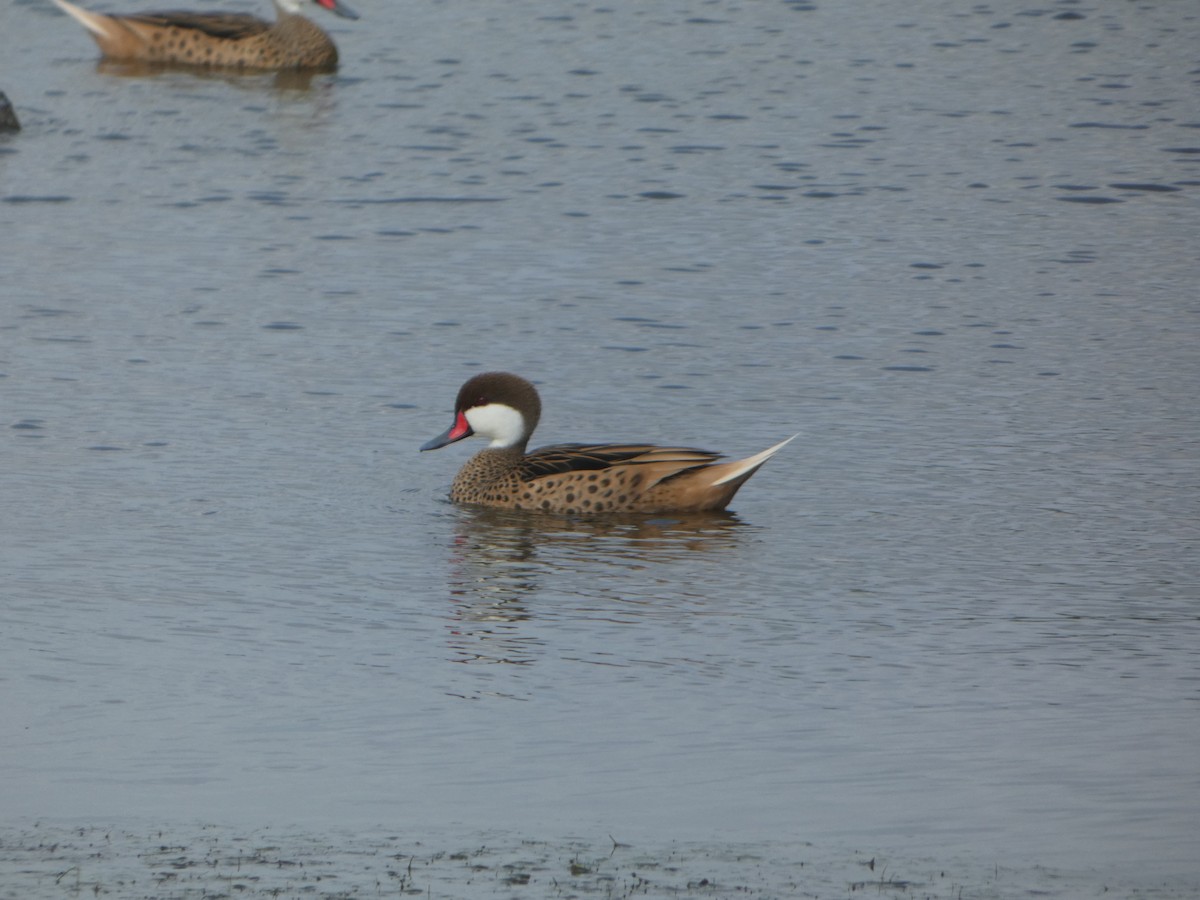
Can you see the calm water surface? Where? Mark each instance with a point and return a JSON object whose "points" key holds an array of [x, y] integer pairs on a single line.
{"points": [[954, 247]]}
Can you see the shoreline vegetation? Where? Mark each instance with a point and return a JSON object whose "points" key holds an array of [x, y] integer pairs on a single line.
{"points": [[43, 860]]}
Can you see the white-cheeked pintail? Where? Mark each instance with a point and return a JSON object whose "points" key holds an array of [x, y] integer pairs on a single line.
{"points": [[227, 40], [578, 478]]}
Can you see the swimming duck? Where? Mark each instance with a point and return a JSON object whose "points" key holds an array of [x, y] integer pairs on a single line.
{"points": [[578, 478], [234, 40]]}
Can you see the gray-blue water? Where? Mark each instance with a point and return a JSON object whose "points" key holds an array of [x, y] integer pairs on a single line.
{"points": [[955, 247]]}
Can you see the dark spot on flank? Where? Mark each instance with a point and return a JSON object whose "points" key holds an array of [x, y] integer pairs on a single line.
{"points": [[570, 498], [605, 482], [635, 480], [592, 488], [622, 499], [545, 504]]}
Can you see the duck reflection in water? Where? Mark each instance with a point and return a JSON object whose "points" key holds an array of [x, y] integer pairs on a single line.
{"points": [[283, 80], [508, 569]]}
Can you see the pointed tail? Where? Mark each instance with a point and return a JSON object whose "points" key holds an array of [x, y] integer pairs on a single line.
{"points": [[93, 22], [744, 468]]}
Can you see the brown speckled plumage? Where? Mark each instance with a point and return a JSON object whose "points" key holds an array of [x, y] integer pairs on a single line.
{"points": [[581, 479], [226, 40]]}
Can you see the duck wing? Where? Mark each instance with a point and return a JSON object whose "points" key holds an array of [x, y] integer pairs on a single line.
{"points": [[226, 26], [660, 462]]}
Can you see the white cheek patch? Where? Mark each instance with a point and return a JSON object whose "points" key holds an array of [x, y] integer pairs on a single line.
{"points": [[503, 424]]}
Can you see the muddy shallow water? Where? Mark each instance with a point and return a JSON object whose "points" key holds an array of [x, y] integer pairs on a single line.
{"points": [[954, 626], [214, 861]]}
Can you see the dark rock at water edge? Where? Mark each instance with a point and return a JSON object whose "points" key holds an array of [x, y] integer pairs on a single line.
{"points": [[8, 115]]}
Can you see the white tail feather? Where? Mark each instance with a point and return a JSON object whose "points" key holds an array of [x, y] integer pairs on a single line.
{"points": [[750, 463], [90, 21]]}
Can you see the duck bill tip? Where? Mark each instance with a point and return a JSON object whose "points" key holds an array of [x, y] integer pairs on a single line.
{"points": [[338, 8], [440, 441], [456, 432]]}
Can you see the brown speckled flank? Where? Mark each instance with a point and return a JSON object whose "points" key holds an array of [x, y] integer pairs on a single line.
{"points": [[228, 40], [577, 479]]}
